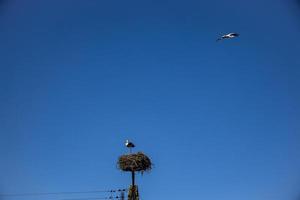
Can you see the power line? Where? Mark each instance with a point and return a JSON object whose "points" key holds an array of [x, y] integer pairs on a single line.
{"points": [[94, 198], [59, 193], [89, 198]]}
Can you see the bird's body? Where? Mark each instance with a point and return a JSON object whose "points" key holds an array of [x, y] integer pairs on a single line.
{"points": [[228, 36], [129, 145]]}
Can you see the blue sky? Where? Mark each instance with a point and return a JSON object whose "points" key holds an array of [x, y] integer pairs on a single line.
{"points": [[219, 120]]}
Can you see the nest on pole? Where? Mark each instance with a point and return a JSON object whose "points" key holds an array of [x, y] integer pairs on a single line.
{"points": [[136, 162]]}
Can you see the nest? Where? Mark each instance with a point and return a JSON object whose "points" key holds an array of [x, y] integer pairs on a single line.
{"points": [[135, 162]]}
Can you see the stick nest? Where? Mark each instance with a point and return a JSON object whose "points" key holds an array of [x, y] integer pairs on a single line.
{"points": [[135, 162]]}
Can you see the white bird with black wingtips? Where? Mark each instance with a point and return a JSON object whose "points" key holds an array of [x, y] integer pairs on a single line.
{"points": [[228, 36], [129, 145]]}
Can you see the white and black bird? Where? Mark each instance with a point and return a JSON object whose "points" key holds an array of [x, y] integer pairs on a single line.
{"points": [[228, 36], [129, 145]]}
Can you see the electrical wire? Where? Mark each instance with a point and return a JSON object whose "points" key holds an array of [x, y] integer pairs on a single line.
{"points": [[92, 198], [87, 198], [59, 193]]}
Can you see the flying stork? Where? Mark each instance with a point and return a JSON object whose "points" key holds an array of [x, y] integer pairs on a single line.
{"points": [[129, 145], [228, 36]]}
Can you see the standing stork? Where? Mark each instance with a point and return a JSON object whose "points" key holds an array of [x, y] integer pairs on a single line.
{"points": [[129, 145], [228, 36]]}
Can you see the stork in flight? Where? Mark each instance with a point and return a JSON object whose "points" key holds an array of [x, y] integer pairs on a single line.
{"points": [[228, 36], [129, 145]]}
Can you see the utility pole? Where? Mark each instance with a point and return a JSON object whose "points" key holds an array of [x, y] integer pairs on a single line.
{"points": [[134, 162], [133, 177]]}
